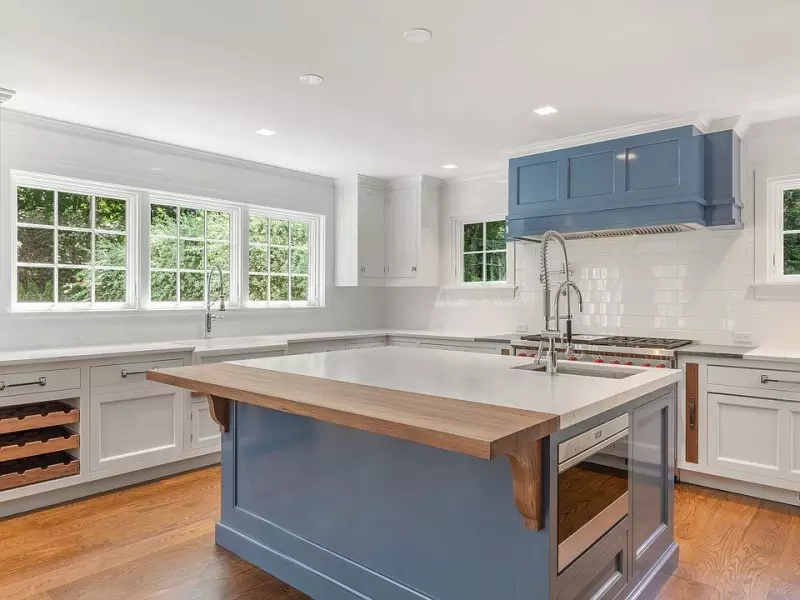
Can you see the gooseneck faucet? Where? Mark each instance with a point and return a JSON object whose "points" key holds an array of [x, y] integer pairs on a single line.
{"points": [[210, 317], [551, 332]]}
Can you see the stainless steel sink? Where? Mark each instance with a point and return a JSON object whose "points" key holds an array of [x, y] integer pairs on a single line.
{"points": [[584, 370]]}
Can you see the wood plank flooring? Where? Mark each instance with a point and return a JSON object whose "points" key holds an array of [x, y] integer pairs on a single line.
{"points": [[156, 542]]}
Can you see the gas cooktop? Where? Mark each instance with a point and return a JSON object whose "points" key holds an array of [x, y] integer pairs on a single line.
{"points": [[621, 341]]}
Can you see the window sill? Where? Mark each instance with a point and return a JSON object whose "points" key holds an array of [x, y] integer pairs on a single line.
{"points": [[478, 292], [780, 291], [153, 310]]}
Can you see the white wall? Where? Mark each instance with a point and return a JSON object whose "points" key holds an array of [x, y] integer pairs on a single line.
{"points": [[45, 146], [694, 284]]}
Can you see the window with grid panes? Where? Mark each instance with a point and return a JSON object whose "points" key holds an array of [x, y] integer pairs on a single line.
{"points": [[279, 251], [185, 242], [71, 248], [484, 252], [790, 238]]}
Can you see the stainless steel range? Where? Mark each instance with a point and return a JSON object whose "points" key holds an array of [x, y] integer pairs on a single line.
{"points": [[653, 352]]}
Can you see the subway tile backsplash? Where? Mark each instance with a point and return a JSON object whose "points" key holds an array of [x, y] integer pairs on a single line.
{"points": [[692, 284]]}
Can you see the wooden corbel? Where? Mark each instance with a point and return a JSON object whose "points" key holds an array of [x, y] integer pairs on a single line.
{"points": [[218, 407], [526, 471]]}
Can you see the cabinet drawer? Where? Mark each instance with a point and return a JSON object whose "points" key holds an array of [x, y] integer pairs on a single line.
{"points": [[764, 379], [38, 382], [128, 374], [607, 574]]}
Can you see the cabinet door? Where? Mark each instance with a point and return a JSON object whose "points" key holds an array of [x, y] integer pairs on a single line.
{"points": [[371, 233], [403, 233], [652, 448], [754, 435], [136, 428], [204, 431]]}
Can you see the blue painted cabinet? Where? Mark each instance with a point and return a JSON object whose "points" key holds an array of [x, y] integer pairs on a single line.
{"points": [[650, 179]]}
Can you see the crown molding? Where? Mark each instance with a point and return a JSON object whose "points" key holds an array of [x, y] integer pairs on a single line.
{"points": [[701, 122], [6, 94], [105, 135]]}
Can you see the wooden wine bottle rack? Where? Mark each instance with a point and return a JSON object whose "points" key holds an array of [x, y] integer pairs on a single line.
{"points": [[36, 416], [34, 440], [36, 469]]}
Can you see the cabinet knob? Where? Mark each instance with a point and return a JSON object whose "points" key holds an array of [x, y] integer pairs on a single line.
{"points": [[363, 269], [413, 269]]}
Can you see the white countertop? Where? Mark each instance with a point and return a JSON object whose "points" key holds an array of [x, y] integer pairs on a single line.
{"points": [[777, 353], [19, 357], [215, 346], [485, 378]]}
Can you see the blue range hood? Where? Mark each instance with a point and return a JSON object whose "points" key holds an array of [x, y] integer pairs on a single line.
{"points": [[671, 180]]}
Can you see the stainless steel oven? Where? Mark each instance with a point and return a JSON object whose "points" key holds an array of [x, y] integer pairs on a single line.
{"points": [[592, 487]]}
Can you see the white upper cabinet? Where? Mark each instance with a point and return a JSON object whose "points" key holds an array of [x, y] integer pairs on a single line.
{"points": [[359, 231], [371, 226], [387, 233]]}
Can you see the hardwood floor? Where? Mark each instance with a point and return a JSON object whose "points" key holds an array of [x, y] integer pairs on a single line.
{"points": [[156, 541]]}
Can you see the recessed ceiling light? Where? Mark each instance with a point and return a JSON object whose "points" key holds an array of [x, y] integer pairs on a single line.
{"points": [[545, 110], [266, 132], [311, 79], [418, 35], [449, 166]]}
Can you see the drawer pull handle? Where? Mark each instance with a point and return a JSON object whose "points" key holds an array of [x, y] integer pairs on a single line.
{"points": [[125, 373], [767, 379], [692, 413], [41, 382]]}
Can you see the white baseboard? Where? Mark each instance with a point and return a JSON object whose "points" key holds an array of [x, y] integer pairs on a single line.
{"points": [[744, 488], [90, 488]]}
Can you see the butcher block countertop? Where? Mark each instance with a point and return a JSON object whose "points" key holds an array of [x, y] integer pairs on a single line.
{"points": [[474, 404]]}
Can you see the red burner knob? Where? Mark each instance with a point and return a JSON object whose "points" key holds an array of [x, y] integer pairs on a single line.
{"points": [[599, 360], [629, 363], [661, 366], [614, 362], [572, 358], [646, 365], [522, 354]]}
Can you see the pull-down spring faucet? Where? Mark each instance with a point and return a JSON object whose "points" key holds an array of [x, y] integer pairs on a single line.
{"points": [[551, 333]]}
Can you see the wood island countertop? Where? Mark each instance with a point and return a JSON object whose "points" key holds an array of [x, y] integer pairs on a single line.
{"points": [[472, 428]]}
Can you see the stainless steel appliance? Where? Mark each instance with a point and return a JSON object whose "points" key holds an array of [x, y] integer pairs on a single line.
{"points": [[653, 352], [592, 487]]}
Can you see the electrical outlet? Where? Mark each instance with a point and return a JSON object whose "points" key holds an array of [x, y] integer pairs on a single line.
{"points": [[522, 328], [741, 337]]}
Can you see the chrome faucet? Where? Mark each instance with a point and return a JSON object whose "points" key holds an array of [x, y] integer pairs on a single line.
{"points": [[210, 317], [551, 332]]}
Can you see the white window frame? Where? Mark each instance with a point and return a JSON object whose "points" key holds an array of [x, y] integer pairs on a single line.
{"points": [[199, 203], [137, 231], [76, 186], [316, 253], [456, 254], [776, 186]]}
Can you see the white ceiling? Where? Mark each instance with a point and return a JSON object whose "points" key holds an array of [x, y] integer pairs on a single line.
{"points": [[207, 73]]}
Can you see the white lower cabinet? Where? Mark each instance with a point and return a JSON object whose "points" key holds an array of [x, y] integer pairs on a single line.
{"points": [[754, 435], [204, 432], [136, 428]]}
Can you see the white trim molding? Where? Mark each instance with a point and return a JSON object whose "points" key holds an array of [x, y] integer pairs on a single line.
{"points": [[701, 122]]}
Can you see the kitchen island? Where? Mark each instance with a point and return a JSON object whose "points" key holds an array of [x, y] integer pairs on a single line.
{"points": [[397, 473]]}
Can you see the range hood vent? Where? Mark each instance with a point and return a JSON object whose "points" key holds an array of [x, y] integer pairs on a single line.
{"points": [[615, 233]]}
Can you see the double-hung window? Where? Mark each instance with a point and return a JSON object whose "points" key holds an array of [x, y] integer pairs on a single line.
{"points": [[189, 238], [72, 244], [783, 230], [283, 258]]}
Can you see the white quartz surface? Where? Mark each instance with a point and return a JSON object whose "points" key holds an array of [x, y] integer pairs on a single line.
{"points": [[18, 357], [486, 378], [216, 346], [777, 353]]}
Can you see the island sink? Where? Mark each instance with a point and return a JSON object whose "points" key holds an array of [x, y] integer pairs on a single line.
{"points": [[582, 369], [414, 474]]}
